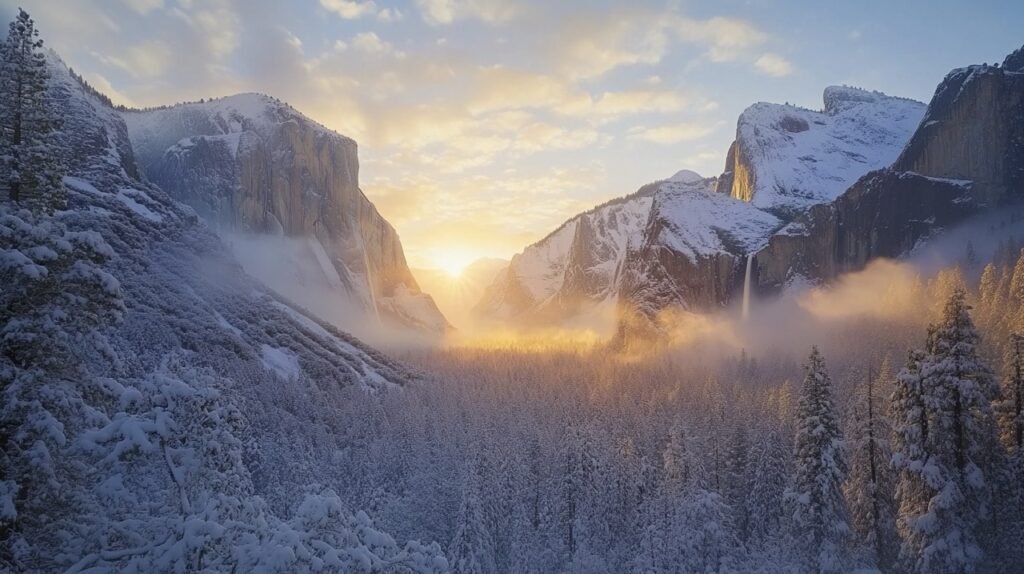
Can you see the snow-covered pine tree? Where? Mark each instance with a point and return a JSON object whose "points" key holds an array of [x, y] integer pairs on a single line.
{"points": [[1009, 512], [820, 520], [472, 548], [910, 436], [767, 485], [945, 447], [30, 168], [1017, 280], [705, 534], [55, 297], [870, 491]]}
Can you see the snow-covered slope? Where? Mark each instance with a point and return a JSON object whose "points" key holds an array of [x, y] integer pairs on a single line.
{"points": [[786, 159], [185, 452], [250, 164]]}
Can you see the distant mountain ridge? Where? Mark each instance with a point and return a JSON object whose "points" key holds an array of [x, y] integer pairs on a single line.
{"points": [[688, 234]]}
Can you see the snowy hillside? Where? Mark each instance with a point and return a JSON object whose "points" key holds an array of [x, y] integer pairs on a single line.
{"points": [[786, 159], [179, 450], [254, 167]]}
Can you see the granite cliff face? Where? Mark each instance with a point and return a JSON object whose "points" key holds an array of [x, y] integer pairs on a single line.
{"points": [[967, 155], [251, 164], [574, 269]]}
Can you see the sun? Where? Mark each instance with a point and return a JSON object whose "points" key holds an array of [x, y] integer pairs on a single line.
{"points": [[452, 262]]}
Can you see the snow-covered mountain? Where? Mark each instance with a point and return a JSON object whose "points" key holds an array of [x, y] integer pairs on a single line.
{"points": [[250, 164], [786, 159], [805, 196], [681, 241], [174, 444], [966, 156]]}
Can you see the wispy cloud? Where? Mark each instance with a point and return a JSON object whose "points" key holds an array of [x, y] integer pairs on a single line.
{"points": [[773, 65]]}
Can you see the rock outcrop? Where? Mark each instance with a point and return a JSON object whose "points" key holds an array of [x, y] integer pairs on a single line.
{"points": [[577, 266], [249, 163]]}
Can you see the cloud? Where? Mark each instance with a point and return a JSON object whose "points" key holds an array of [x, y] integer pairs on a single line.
{"points": [[148, 60], [726, 38], [592, 47], [773, 65], [350, 9], [144, 6], [438, 12], [671, 134]]}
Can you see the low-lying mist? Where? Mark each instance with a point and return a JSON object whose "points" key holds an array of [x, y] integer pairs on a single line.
{"points": [[893, 299]]}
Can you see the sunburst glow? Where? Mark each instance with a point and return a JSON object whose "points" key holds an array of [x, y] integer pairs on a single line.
{"points": [[452, 262]]}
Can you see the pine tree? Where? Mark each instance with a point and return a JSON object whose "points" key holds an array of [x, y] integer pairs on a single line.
{"points": [[768, 480], [945, 447], [30, 168], [1017, 280], [1011, 406], [472, 548], [821, 527], [870, 486]]}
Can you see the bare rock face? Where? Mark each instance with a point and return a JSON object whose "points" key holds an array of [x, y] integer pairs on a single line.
{"points": [[885, 214], [252, 164], [974, 130]]}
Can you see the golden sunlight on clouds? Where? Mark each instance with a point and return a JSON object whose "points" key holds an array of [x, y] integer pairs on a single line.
{"points": [[482, 124]]}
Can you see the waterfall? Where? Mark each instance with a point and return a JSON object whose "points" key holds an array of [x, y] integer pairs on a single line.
{"points": [[746, 286]]}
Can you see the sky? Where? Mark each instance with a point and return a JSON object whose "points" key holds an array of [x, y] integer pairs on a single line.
{"points": [[484, 124]]}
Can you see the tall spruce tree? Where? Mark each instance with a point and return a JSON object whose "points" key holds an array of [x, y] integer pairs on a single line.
{"points": [[945, 447], [820, 520], [472, 548], [30, 166], [870, 485]]}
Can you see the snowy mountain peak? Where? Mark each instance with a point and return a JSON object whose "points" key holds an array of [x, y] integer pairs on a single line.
{"points": [[686, 176], [786, 159]]}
